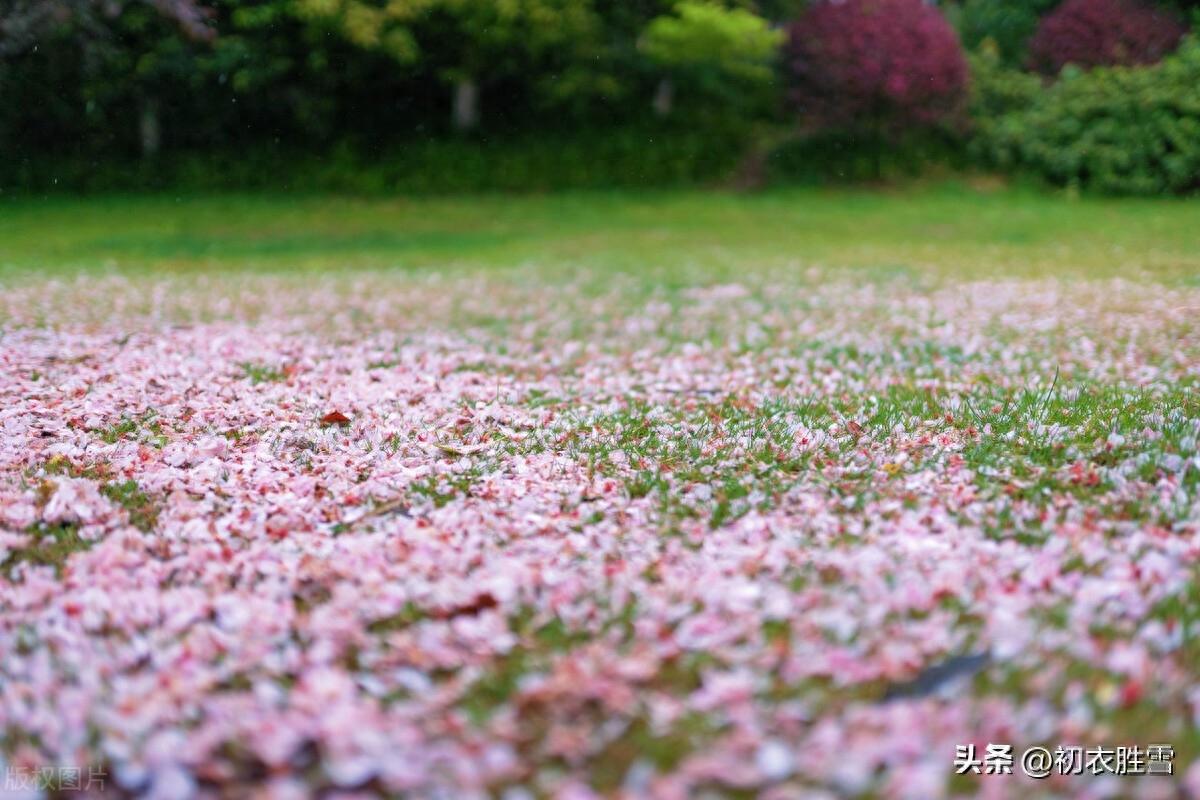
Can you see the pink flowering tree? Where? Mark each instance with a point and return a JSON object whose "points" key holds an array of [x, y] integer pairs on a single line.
{"points": [[875, 67], [1096, 33]]}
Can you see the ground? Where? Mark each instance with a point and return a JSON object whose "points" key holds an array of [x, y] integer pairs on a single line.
{"points": [[795, 494]]}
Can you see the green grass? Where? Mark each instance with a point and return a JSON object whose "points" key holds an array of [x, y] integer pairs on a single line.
{"points": [[143, 509], [946, 229], [1039, 445], [53, 544], [262, 373], [50, 546]]}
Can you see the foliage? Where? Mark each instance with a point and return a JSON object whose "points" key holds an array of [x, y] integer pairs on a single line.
{"points": [[714, 52], [104, 59], [353, 95], [24, 22], [875, 66], [463, 38], [997, 91], [372, 26], [834, 159], [1120, 130], [852, 63], [1094, 33], [735, 41], [265, 77], [1008, 24], [616, 157]]}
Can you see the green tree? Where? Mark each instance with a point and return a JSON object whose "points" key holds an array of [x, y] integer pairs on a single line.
{"points": [[722, 48], [468, 41], [1007, 23], [102, 49]]}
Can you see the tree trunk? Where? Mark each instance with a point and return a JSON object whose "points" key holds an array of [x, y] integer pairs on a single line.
{"points": [[466, 105], [150, 128], [664, 98]]}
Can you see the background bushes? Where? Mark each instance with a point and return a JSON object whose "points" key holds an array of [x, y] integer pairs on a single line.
{"points": [[1007, 25], [1127, 129], [1117, 130], [458, 95], [1095, 33], [874, 70], [628, 157]]}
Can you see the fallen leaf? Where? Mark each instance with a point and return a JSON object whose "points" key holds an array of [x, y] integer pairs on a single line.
{"points": [[399, 506], [939, 676], [481, 602], [335, 418], [459, 450], [45, 491]]}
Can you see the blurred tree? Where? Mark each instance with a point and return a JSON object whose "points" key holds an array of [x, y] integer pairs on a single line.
{"points": [[606, 75], [82, 39], [292, 78], [1118, 130], [468, 40], [528, 38], [713, 44], [1008, 23], [879, 67], [24, 22], [781, 11], [384, 26], [1095, 33]]}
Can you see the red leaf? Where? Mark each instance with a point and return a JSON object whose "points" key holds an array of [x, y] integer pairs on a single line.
{"points": [[1131, 692], [334, 418], [479, 603]]}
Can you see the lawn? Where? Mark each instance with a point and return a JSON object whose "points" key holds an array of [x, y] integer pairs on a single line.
{"points": [[947, 229], [797, 494]]}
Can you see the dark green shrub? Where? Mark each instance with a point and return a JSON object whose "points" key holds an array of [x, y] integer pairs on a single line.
{"points": [[837, 158], [1115, 130], [997, 92], [629, 157], [1008, 24]]}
